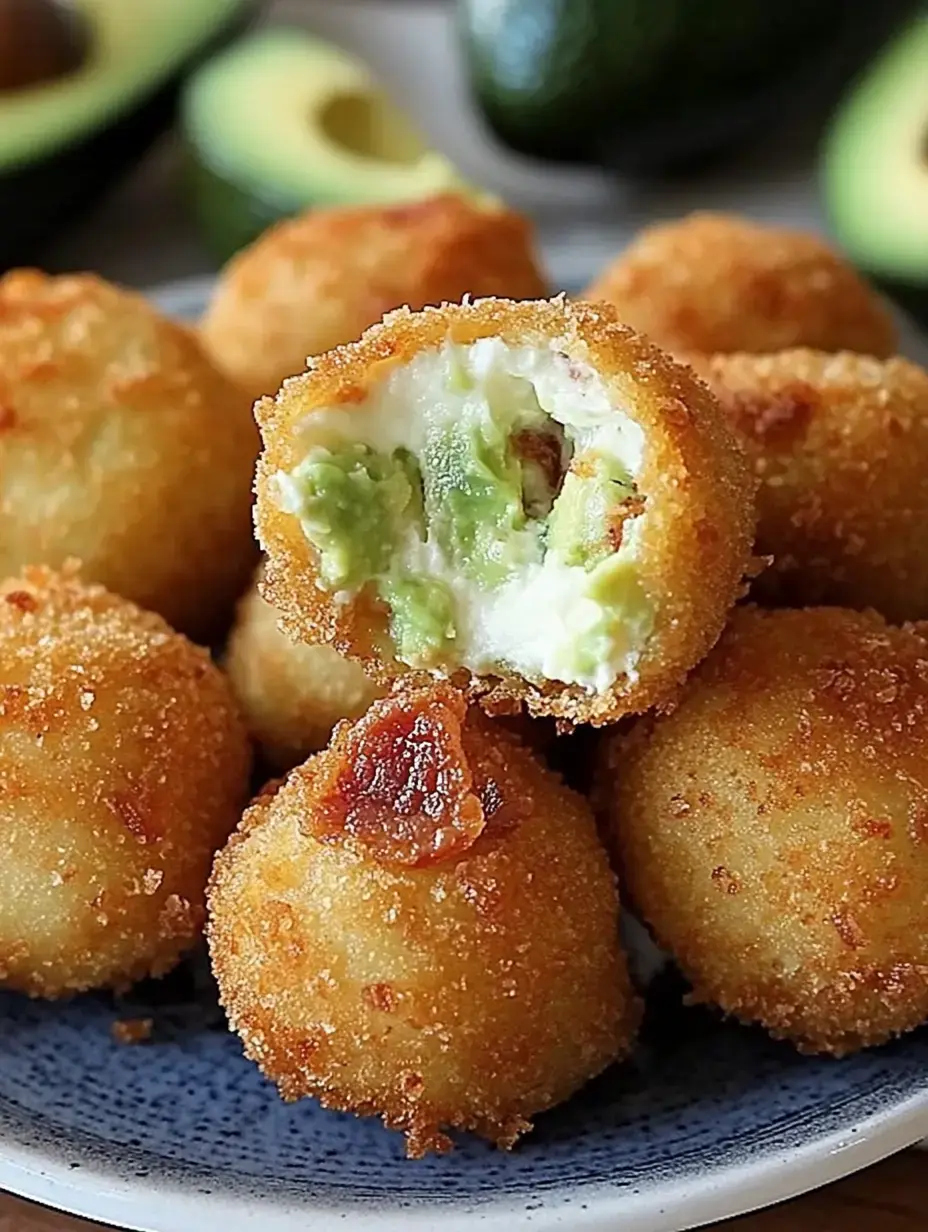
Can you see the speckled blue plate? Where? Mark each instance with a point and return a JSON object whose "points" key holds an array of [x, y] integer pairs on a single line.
{"points": [[182, 1134]]}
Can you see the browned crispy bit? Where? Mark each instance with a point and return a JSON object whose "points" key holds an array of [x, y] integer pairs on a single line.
{"points": [[132, 1030], [542, 452], [399, 781], [631, 507]]}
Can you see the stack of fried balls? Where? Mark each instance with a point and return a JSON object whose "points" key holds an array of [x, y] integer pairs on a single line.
{"points": [[686, 511]]}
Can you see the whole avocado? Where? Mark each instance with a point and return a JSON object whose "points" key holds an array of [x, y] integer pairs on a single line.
{"points": [[649, 84]]}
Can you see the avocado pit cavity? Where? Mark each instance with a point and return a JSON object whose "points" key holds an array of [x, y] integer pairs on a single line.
{"points": [[40, 41], [367, 124], [487, 495]]}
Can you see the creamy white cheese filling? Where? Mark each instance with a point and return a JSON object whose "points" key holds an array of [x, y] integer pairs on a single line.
{"points": [[544, 617]]}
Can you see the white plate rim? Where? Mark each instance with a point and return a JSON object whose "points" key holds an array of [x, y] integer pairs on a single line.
{"points": [[94, 1193]]}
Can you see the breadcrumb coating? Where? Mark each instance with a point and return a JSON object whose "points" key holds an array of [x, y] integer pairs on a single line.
{"points": [[421, 924], [773, 829], [291, 694], [839, 444], [712, 283], [694, 543], [123, 766], [317, 281], [121, 445]]}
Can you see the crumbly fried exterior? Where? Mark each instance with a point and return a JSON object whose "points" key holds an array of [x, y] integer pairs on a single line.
{"points": [[291, 694], [773, 829], [421, 924], [840, 448], [317, 281], [121, 445], [123, 766], [695, 540], [716, 282]]}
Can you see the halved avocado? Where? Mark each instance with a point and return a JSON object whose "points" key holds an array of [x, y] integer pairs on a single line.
{"points": [[283, 121], [63, 139], [875, 164]]}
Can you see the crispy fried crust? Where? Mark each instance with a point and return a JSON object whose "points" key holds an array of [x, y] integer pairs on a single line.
{"points": [[371, 958], [123, 765], [716, 282], [840, 447], [695, 540], [121, 445], [291, 694], [773, 829], [314, 282]]}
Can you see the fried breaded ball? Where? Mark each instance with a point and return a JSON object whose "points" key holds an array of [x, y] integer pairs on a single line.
{"points": [[123, 766], [421, 924], [291, 694], [121, 445], [527, 498], [773, 828], [840, 447], [711, 283], [314, 282]]}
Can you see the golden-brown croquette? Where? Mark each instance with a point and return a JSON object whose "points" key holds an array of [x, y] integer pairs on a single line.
{"points": [[314, 282], [773, 828], [525, 497], [839, 444], [711, 283], [421, 925], [291, 694], [122, 446], [123, 766]]}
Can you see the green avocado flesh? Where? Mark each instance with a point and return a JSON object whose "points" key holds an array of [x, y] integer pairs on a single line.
{"points": [[579, 526], [283, 121], [875, 163], [473, 502], [132, 47], [355, 505], [470, 495]]}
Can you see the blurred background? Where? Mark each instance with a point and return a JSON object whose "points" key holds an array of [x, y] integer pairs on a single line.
{"points": [[147, 139]]}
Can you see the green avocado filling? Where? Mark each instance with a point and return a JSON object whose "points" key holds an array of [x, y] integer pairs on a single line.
{"points": [[422, 615], [356, 507], [473, 503], [487, 498], [586, 523], [354, 504]]}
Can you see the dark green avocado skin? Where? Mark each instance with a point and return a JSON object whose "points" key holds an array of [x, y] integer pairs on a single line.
{"points": [[652, 85], [40, 200]]}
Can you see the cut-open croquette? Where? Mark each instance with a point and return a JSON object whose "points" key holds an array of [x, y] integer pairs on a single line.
{"points": [[314, 282], [422, 925], [121, 445], [291, 694], [773, 828], [839, 444], [123, 766], [716, 282], [527, 497]]}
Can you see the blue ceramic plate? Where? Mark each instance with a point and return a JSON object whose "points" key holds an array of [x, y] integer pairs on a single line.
{"points": [[182, 1134]]}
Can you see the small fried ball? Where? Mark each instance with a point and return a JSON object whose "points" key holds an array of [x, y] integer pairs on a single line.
{"points": [[314, 282], [121, 445], [839, 444], [526, 498], [291, 694], [711, 283], [773, 828], [123, 766], [421, 924]]}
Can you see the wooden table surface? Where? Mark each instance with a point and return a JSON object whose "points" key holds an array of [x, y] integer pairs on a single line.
{"points": [[891, 1197]]}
